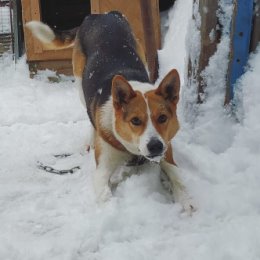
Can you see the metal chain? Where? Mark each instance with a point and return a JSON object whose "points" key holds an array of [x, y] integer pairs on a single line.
{"points": [[55, 171], [50, 169]]}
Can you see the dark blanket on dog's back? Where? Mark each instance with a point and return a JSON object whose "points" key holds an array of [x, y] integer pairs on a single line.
{"points": [[110, 49]]}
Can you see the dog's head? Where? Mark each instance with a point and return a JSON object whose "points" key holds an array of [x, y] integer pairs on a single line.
{"points": [[145, 120]]}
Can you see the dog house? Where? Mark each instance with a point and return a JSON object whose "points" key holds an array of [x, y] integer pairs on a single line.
{"points": [[143, 16]]}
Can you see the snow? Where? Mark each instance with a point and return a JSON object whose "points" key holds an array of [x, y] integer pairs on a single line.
{"points": [[175, 39], [46, 216]]}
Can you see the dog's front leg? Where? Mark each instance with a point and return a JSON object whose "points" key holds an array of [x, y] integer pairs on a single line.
{"points": [[179, 190], [107, 159], [101, 180]]}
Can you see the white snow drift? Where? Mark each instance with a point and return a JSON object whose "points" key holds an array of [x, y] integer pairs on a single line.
{"points": [[45, 216]]}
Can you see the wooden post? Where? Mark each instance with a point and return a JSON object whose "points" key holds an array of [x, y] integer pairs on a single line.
{"points": [[209, 37], [240, 43], [149, 39]]}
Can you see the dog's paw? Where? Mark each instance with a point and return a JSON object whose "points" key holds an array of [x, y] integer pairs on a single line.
{"points": [[188, 205], [88, 148], [104, 195]]}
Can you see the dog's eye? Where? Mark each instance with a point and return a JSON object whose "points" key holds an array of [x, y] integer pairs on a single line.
{"points": [[162, 119], [136, 121]]}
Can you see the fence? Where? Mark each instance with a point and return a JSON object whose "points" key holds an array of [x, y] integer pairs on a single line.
{"points": [[244, 34], [6, 28]]}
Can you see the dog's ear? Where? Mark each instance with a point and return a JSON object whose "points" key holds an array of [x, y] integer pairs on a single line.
{"points": [[122, 92], [169, 87]]}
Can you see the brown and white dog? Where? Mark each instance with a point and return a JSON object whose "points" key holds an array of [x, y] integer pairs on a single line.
{"points": [[131, 117]]}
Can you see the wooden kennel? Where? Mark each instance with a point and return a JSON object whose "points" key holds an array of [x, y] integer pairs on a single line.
{"points": [[143, 16]]}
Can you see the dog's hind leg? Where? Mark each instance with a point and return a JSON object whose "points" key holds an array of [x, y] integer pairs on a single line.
{"points": [[90, 141], [78, 63]]}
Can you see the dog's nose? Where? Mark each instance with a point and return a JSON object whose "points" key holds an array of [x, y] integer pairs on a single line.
{"points": [[155, 147]]}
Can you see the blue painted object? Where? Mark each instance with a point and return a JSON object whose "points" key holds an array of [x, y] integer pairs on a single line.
{"points": [[241, 40]]}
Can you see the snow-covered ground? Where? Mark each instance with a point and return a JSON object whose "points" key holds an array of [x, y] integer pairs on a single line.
{"points": [[46, 216]]}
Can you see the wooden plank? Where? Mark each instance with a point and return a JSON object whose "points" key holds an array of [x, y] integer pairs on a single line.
{"points": [[28, 38], [209, 37], [36, 16], [156, 22], [61, 67], [32, 45], [51, 55], [95, 7], [240, 43], [149, 39]]}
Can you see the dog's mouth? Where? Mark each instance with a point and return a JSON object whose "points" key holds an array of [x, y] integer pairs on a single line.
{"points": [[154, 158]]}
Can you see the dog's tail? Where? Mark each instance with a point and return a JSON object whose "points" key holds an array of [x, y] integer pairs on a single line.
{"points": [[51, 38]]}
